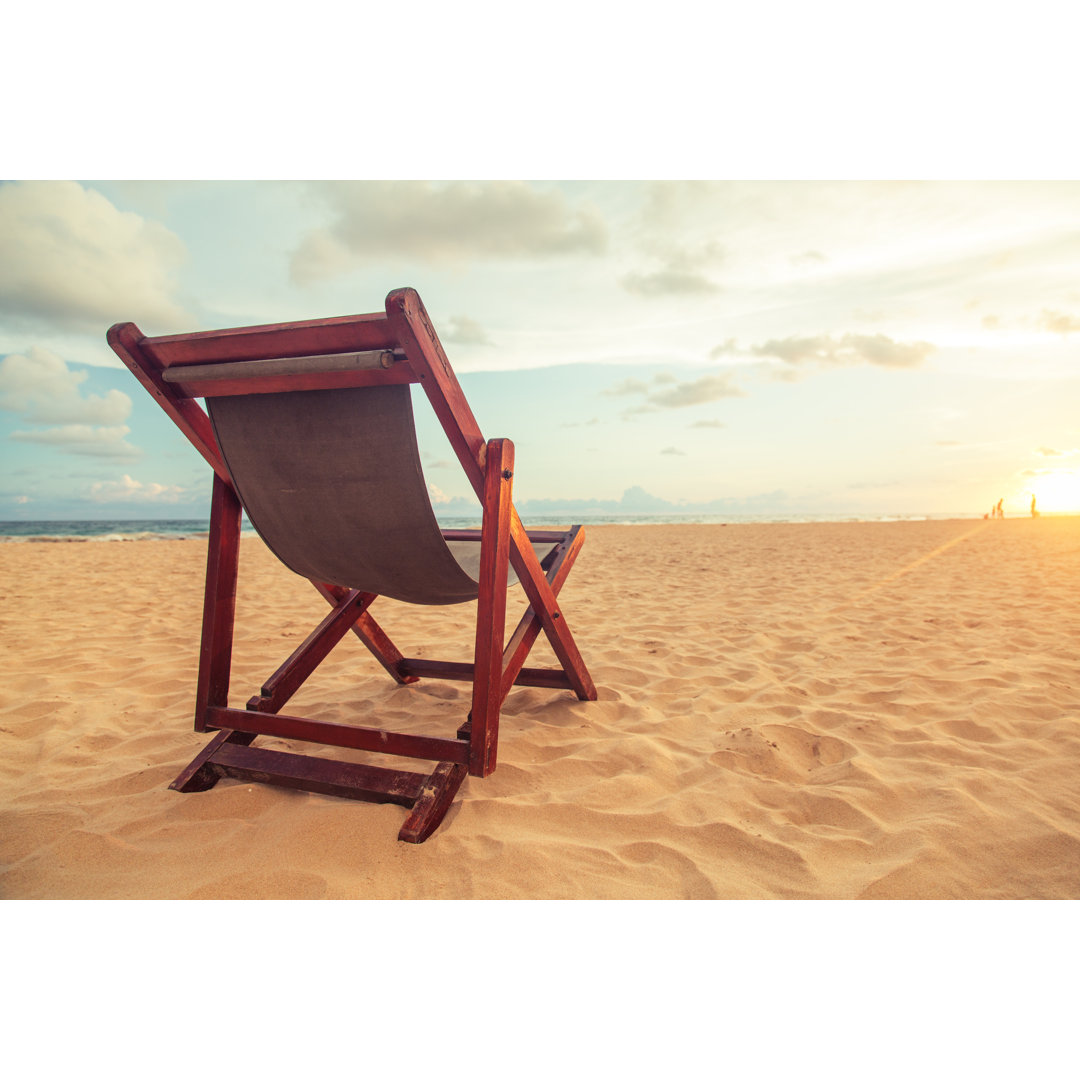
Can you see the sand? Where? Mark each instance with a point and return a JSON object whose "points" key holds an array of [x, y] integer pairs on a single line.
{"points": [[833, 711]]}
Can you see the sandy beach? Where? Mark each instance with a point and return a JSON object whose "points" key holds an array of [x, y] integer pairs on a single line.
{"points": [[810, 711]]}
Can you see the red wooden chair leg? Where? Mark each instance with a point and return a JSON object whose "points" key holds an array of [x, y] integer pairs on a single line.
{"points": [[432, 803], [545, 606], [528, 630], [491, 608], [199, 774], [219, 603]]}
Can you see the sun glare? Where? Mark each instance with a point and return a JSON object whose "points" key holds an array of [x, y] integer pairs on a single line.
{"points": [[1057, 491]]}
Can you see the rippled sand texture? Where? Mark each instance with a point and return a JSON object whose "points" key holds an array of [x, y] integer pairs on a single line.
{"points": [[833, 711]]}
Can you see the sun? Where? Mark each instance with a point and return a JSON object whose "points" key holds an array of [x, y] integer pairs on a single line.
{"points": [[1057, 491]]}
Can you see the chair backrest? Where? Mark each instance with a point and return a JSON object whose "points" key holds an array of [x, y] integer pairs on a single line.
{"points": [[311, 423], [332, 481]]}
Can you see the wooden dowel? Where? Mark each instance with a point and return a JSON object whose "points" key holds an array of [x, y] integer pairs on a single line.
{"points": [[285, 365]]}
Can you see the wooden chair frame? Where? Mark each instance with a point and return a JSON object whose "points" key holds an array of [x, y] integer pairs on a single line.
{"points": [[176, 369]]}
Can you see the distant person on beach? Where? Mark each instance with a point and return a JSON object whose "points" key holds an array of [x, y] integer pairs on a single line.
{"points": [[1034, 512], [997, 509]]}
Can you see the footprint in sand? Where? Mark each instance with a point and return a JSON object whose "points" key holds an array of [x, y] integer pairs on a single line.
{"points": [[780, 752]]}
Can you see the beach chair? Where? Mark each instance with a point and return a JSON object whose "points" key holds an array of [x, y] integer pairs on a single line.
{"points": [[309, 429]]}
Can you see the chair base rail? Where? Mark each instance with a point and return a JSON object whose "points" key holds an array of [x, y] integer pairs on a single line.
{"points": [[229, 754]]}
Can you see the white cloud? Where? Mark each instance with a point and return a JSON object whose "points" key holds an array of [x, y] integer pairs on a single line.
{"points": [[42, 389], [73, 259], [823, 349], [681, 271], [437, 496], [675, 394], [444, 222], [627, 386], [1058, 323], [672, 280], [698, 392], [670, 204], [727, 348], [128, 490], [462, 330], [103, 442]]}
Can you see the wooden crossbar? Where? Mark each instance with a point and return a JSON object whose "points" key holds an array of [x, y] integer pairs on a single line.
{"points": [[288, 678], [346, 333], [548, 678], [376, 740]]}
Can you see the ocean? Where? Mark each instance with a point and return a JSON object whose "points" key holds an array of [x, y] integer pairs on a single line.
{"points": [[197, 528]]}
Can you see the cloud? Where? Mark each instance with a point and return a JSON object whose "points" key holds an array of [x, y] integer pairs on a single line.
{"points": [[1046, 451], [444, 222], [72, 259], [673, 450], [101, 442], [437, 495], [672, 206], [675, 394], [667, 282], [825, 350], [708, 424], [42, 389], [681, 270], [729, 347], [873, 485], [465, 331], [1058, 323], [698, 392], [128, 490], [627, 386], [1047, 472]]}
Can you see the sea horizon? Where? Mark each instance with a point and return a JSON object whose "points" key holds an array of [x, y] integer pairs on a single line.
{"points": [[120, 529]]}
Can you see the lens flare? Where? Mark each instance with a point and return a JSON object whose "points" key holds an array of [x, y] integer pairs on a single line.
{"points": [[1057, 491]]}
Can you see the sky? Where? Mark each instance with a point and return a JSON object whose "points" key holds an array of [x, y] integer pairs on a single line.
{"points": [[850, 347], [776, 341]]}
